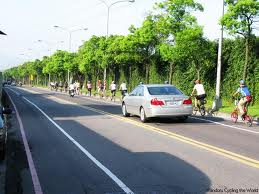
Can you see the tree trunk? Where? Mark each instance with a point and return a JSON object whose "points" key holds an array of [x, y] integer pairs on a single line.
{"points": [[171, 72], [198, 74], [147, 73], [246, 59], [198, 68], [129, 78]]}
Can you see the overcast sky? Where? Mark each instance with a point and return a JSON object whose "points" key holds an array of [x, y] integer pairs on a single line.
{"points": [[27, 21]]}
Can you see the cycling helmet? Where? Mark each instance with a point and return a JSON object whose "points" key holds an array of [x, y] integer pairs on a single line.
{"points": [[242, 82]]}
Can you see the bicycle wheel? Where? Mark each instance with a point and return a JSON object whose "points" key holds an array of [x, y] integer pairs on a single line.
{"points": [[248, 120], [195, 110], [202, 111], [234, 116]]}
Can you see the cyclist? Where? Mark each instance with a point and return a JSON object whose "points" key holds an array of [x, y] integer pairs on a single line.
{"points": [[89, 88], [200, 93], [123, 89], [77, 85], [66, 86], [72, 88], [113, 90], [56, 86], [60, 85], [245, 97], [100, 88]]}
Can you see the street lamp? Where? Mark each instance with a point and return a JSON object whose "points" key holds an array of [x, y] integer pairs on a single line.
{"points": [[217, 101], [70, 39], [70, 34], [108, 18], [49, 44]]}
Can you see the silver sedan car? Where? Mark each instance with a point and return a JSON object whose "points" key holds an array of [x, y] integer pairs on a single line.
{"points": [[157, 100]]}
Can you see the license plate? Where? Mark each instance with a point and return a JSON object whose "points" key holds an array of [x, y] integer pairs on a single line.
{"points": [[173, 103]]}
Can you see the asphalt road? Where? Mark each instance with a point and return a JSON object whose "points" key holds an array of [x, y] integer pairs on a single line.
{"points": [[82, 145]]}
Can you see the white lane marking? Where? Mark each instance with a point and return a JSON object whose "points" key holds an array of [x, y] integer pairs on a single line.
{"points": [[90, 156], [35, 179], [17, 93], [234, 127]]}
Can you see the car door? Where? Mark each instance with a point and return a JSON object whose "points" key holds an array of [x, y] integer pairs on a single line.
{"points": [[130, 101], [138, 100]]}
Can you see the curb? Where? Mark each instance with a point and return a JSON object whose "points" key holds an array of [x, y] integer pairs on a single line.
{"points": [[227, 116]]}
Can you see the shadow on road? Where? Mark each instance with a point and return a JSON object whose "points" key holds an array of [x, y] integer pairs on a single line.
{"points": [[142, 172]]}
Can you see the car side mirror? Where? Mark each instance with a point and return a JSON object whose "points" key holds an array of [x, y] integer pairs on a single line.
{"points": [[7, 111]]}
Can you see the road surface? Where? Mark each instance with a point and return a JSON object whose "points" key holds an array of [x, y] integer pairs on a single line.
{"points": [[63, 145]]}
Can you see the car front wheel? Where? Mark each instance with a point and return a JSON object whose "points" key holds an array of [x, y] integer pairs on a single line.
{"points": [[124, 111]]}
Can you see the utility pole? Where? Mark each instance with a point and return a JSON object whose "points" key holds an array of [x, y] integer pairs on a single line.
{"points": [[217, 101]]}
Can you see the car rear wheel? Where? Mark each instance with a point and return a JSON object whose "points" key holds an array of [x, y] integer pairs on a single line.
{"points": [[124, 111], [143, 116]]}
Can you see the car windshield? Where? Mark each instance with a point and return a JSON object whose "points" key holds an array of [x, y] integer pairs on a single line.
{"points": [[164, 90]]}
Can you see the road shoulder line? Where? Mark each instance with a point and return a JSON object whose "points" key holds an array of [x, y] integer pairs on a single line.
{"points": [[35, 178], [88, 154]]}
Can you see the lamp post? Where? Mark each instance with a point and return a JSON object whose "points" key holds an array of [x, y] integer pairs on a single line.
{"points": [[108, 18], [217, 101], [70, 40], [49, 44]]}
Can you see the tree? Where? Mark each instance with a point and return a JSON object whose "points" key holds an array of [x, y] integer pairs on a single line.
{"points": [[240, 19], [174, 17], [91, 57], [193, 47], [145, 39]]}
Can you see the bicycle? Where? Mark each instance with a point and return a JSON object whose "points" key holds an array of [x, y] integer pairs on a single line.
{"points": [[123, 94], [246, 118], [200, 106], [113, 92]]}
